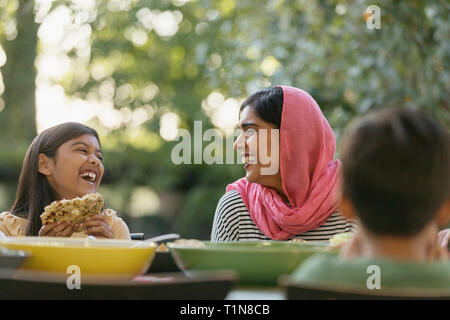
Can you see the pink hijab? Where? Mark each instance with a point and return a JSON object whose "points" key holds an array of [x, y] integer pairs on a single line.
{"points": [[308, 172]]}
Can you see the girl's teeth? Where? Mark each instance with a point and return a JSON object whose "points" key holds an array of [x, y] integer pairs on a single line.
{"points": [[91, 175]]}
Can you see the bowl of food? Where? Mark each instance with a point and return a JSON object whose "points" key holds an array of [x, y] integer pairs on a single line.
{"points": [[94, 259], [256, 262]]}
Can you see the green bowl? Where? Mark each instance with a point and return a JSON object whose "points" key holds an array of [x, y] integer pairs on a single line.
{"points": [[256, 262]]}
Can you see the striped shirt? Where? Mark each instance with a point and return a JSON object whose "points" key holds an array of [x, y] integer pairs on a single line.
{"points": [[232, 222]]}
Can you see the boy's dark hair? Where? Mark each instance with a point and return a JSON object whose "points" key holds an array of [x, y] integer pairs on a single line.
{"points": [[396, 170], [268, 104]]}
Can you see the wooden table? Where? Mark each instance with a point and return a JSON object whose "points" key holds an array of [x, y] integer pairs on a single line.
{"points": [[171, 286]]}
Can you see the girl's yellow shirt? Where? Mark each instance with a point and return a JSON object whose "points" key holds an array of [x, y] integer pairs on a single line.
{"points": [[14, 226]]}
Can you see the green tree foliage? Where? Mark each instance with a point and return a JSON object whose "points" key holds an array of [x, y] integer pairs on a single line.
{"points": [[167, 56]]}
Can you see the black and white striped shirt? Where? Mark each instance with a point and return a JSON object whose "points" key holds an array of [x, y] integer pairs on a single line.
{"points": [[232, 222]]}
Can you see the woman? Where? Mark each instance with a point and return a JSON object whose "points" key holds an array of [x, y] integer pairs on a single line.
{"points": [[297, 201], [62, 162]]}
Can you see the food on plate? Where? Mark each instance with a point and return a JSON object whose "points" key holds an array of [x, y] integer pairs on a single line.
{"points": [[162, 248], [297, 240], [341, 238], [190, 242], [74, 211]]}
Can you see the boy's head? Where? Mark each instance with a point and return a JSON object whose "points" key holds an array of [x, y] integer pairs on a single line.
{"points": [[396, 171]]}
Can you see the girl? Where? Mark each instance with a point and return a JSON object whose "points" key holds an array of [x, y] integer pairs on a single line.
{"points": [[62, 162], [297, 201]]}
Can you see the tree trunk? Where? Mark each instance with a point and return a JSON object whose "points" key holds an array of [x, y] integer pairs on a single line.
{"points": [[18, 118]]}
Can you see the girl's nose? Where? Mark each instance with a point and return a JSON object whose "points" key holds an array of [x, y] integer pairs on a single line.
{"points": [[94, 160]]}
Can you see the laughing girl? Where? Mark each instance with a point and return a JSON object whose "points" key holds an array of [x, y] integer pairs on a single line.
{"points": [[62, 162]]}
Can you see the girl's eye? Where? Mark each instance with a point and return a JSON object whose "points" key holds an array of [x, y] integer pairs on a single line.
{"points": [[83, 150]]}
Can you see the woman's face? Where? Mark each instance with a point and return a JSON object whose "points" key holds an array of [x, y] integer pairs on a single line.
{"points": [[76, 169], [258, 144]]}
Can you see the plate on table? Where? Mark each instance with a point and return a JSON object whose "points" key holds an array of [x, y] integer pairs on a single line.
{"points": [[256, 262], [96, 260]]}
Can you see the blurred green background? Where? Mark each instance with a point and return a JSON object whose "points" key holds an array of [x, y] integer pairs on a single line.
{"points": [[137, 71]]}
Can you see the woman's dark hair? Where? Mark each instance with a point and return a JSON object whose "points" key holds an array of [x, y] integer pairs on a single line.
{"points": [[396, 170], [34, 191], [268, 104]]}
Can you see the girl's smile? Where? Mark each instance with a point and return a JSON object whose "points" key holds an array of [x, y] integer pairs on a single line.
{"points": [[76, 169]]}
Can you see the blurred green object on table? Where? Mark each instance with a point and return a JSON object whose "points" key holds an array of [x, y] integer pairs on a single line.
{"points": [[256, 262]]}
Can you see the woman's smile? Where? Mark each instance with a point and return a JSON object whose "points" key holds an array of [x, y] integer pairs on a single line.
{"points": [[254, 150]]}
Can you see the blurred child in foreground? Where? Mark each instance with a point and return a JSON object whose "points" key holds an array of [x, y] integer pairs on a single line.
{"points": [[396, 183]]}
